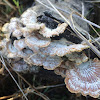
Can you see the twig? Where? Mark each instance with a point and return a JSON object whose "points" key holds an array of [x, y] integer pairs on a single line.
{"points": [[1, 3], [28, 90], [74, 15], [50, 86], [9, 4], [2, 60], [94, 49], [33, 87], [95, 1], [82, 10], [55, 10], [5, 97], [2, 70]]}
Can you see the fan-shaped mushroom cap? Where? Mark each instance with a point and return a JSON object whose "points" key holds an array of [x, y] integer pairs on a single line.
{"points": [[23, 67], [14, 19], [12, 51], [20, 44], [61, 48], [35, 26], [64, 67], [17, 33], [13, 26], [61, 71], [26, 32], [46, 32], [78, 58], [3, 48], [47, 62], [29, 17], [20, 66], [84, 78], [5, 28], [37, 41], [25, 53]]}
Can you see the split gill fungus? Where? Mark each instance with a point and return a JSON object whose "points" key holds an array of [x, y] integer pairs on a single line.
{"points": [[30, 44]]}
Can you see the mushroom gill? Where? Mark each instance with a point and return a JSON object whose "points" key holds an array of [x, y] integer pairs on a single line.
{"points": [[85, 78]]}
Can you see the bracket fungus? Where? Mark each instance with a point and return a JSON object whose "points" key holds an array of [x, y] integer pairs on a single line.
{"points": [[31, 42], [84, 78], [77, 57], [47, 62], [46, 32], [36, 41], [20, 44], [21, 66], [63, 47]]}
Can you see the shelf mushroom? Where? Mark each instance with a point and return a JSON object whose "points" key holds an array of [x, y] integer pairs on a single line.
{"points": [[36, 41], [30, 41], [62, 47], [84, 78], [49, 63]]}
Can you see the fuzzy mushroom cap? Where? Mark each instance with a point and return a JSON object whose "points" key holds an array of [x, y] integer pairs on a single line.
{"points": [[17, 33], [11, 50], [13, 25], [84, 78], [61, 71], [5, 28], [47, 62], [46, 32], [62, 47], [29, 41], [20, 44], [77, 57], [37, 40], [20, 66], [29, 17]]}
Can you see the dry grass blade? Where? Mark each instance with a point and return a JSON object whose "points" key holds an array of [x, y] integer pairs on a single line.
{"points": [[77, 16], [31, 86], [5, 97], [82, 9], [11, 97], [2, 70], [2, 60], [55, 10], [51, 86], [89, 22], [34, 88], [95, 1], [9, 4], [3, 20], [1, 3], [29, 90], [93, 48]]}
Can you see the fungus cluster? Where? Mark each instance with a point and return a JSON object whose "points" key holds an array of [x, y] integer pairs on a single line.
{"points": [[28, 44]]}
